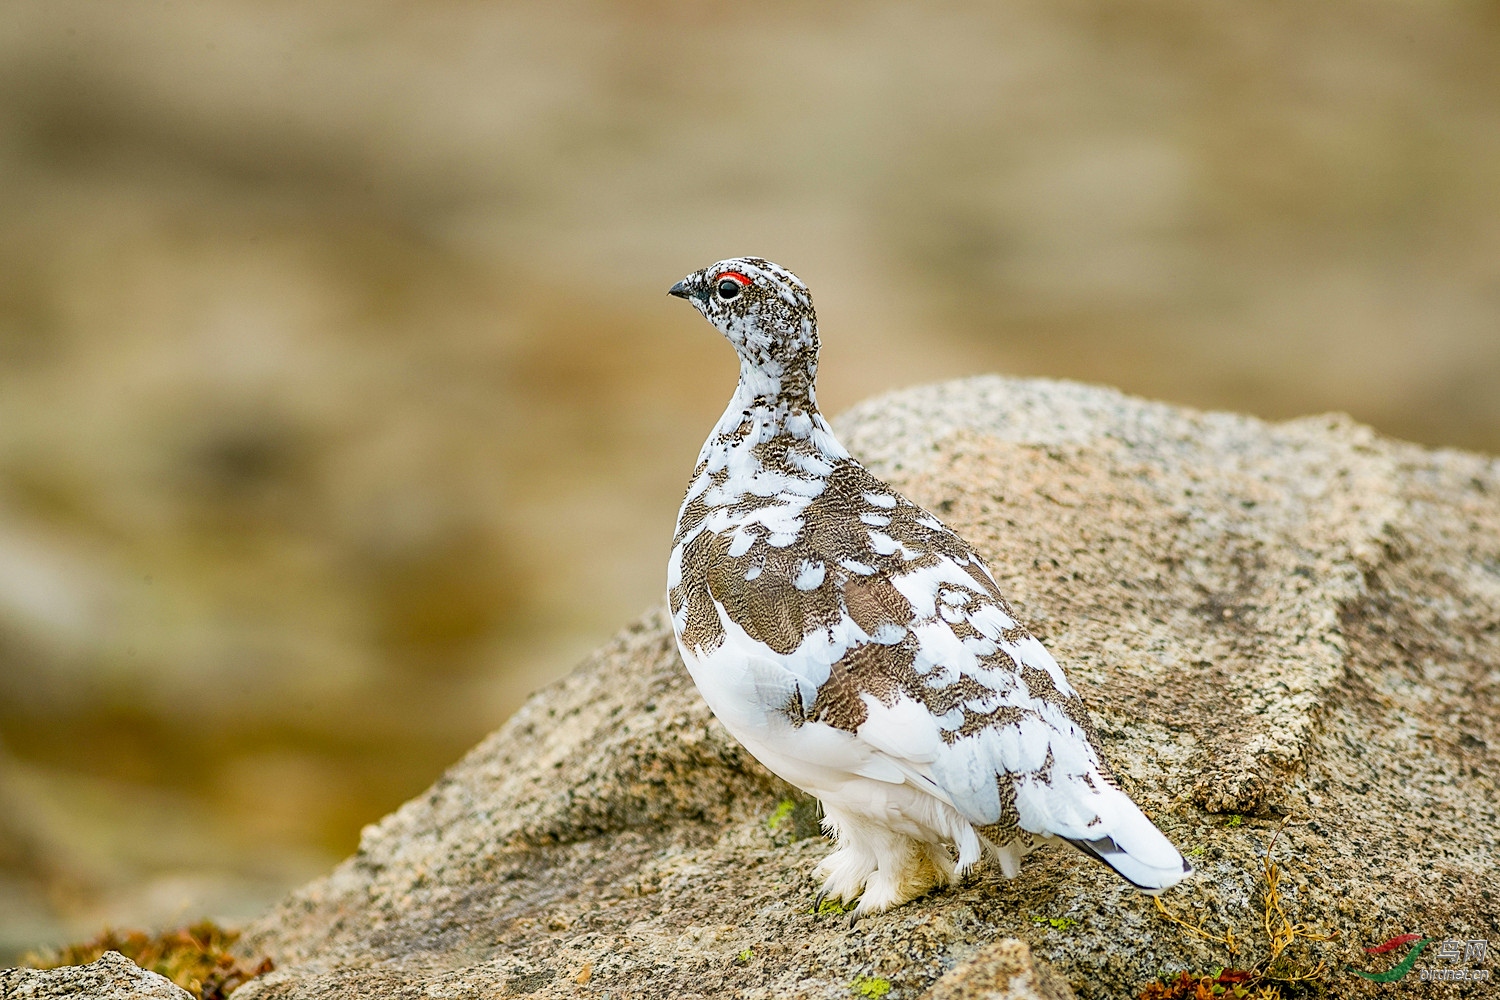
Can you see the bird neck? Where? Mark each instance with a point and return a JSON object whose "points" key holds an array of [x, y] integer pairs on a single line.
{"points": [[767, 415], [773, 387]]}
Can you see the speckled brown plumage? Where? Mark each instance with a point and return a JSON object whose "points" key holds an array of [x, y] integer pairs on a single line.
{"points": [[860, 648]]}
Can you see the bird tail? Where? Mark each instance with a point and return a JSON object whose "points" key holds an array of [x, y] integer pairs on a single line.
{"points": [[1137, 850]]}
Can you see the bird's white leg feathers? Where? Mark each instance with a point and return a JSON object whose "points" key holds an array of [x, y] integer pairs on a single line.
{"points": [[1008, 855], [879, 866]]}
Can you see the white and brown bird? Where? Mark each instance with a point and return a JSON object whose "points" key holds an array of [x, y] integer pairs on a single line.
{"points": [[861, 650]]}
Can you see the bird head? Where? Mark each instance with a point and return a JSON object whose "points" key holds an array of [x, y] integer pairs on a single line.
{"points": [[764, 310]]}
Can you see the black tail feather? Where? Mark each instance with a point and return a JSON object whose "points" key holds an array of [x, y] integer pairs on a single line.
{"points": [[1102, 849]]}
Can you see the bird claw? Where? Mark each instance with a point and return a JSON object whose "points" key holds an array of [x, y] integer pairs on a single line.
{"points": [[818, 901]]}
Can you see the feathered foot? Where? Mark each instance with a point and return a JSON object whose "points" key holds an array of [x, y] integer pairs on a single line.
{"points": [[879, 867]]}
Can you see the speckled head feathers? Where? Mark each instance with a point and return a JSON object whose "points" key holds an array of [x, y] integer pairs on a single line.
{"points": [[763, 309]]}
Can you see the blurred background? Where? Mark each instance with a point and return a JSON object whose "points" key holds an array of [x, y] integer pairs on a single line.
{"points": [[342, 404]]}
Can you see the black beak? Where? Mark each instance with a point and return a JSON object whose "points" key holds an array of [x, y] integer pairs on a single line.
{"points": [[680, 290]]}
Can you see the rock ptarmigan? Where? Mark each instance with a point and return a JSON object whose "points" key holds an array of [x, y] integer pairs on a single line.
{"points": [[862, 651]]}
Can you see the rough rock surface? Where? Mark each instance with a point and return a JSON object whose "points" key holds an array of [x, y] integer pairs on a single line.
{"points": [[1295, 622], [1001, 971], [112, 977]]}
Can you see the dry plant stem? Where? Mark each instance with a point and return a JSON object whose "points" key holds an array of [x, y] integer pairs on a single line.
{"points": [[1280, 931], [1227, 939]]}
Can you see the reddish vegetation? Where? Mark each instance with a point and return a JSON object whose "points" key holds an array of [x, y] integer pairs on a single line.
{"points": [[197, 958], [1228, 983]]}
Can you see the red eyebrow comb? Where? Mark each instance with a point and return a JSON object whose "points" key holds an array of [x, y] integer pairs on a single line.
{"points": [[734, 276]]}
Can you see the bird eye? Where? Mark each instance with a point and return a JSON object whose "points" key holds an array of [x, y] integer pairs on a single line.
{"points": [[729, 289]]}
